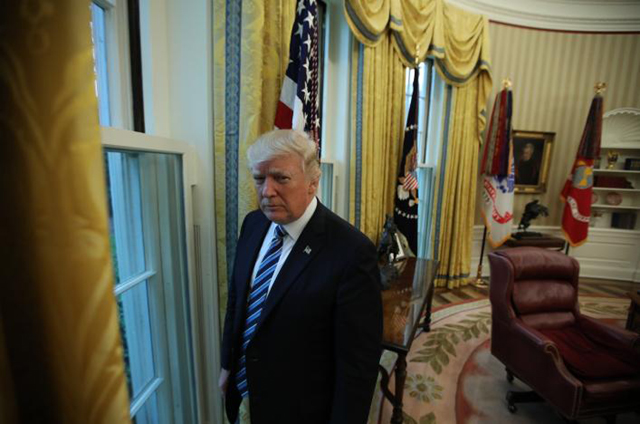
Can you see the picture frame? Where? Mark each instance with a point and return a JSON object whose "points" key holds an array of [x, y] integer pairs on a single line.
{"points": [[632, 164], [532, 156]]}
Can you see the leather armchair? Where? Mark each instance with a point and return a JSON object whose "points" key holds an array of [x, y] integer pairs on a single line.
{"points": [[581, 366]]}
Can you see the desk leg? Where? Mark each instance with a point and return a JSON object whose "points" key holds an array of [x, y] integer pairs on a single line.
{"points": [[634, 311], [426, 324], [401, 376]]}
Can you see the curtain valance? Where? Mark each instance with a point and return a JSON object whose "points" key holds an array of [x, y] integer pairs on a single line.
{"points": [[370, 20], [457, 39]]}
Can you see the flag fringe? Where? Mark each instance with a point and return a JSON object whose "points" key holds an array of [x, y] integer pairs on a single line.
{"points": [[486, 224], [571, 242]]}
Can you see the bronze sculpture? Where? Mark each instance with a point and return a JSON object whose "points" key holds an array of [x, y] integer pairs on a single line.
{"points": [[532, 210]]}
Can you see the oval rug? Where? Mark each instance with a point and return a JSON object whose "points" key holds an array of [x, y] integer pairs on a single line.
{"points": [[453, 378]]}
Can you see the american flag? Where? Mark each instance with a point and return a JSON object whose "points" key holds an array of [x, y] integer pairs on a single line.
{"points": [[410, 181], [299, 99]]}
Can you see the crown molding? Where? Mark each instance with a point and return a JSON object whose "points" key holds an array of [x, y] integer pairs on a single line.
{"points": [[563, 15]]}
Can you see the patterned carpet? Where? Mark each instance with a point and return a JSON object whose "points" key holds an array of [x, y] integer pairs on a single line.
{"points": [[587, 287], [452, 376]]}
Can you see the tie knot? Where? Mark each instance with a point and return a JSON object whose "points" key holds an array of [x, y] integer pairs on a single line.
{"points": [[280, 231]]}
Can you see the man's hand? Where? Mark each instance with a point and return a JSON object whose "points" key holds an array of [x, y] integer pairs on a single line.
{"points": [[223, 380]]}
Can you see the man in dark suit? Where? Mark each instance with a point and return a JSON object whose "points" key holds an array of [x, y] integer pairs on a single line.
{"points": [[302, 333]]}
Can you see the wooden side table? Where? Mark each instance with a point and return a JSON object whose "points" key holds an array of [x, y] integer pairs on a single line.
{"points": [[633, 319], [546, 241], [403, 305]]}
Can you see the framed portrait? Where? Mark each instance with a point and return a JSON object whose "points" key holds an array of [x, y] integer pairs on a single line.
{"points": [[532, 155]]}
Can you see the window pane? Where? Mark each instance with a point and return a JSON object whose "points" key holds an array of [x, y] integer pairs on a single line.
{"points": [[326, 185], [426, 76], [100, 61], [148, 414], [146, 210], [125, 213], [135, 325]]}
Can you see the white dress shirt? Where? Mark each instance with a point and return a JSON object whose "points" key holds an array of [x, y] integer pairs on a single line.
{"points": [[293, 229]]}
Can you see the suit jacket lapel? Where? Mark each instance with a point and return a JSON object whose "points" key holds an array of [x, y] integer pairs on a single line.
{"points": [[247, 263], [306, 248]]}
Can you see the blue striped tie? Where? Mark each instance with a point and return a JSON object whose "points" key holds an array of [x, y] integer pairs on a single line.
{"points": [[257, 297]]}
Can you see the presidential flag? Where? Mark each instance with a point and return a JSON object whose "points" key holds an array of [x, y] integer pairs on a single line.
{"points": [[498, 172], [577, 189], [298, 107], [405, 214]]}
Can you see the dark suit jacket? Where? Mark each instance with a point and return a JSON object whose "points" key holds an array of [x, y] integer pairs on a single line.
{"points": [[314, 356]]}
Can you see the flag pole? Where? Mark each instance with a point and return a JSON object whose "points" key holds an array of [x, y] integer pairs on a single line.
{"points": [[417, 63], [479, 281], [506, 84], [599, 88]]}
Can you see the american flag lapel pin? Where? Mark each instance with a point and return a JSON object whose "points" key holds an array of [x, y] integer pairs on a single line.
{"points": [[307, 250]]}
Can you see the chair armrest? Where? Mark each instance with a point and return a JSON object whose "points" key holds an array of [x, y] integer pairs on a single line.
{"points": [[533, 335], [542, 347], [610, 335], [536, 360]]}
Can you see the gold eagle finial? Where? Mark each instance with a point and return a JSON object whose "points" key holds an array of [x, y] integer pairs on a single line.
{"points": [[600, 87]]}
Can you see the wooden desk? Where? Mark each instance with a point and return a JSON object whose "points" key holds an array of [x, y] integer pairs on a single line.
{"points": [[633, 319], [402, 305]]}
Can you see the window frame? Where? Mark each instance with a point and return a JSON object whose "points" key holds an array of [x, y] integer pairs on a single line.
{"points": [[118, 62], [327, 185], [117, 136], [182, 383], [426, 101]]}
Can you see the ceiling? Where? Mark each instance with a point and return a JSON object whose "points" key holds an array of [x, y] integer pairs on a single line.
{"points": [[568, 15]]}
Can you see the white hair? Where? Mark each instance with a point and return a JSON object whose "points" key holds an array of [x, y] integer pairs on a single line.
{"points": [[284, 142]]}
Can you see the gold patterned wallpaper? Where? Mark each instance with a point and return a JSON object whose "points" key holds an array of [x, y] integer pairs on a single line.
{"points": [[553, 75]]}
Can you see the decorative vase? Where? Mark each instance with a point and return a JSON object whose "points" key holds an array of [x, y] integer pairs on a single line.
{"points": [[612, 158]]}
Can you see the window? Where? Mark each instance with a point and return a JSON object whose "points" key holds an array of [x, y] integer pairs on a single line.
{"points": [[147, 210], [424, 101], [100, 60], [150, 220], [430, 125], [110, 52], [327, 182]]}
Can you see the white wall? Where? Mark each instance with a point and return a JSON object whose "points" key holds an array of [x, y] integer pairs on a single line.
{"points": [[178, 93], [337, 94]]}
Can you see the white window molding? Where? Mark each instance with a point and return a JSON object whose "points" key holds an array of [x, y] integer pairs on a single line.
{"points": [[118, 62], [169, 273]]}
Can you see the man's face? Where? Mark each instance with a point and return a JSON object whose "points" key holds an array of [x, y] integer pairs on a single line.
{"points": [[284, 192], [527, 152]]}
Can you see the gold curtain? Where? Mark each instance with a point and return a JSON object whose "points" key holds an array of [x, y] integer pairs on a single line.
{"points": [[421, 32], [455, 204], [423, 28], [251, 54], [60, 351], [378, 131], [369, 20], [465, 48], [459, 43], [465, 66]]}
